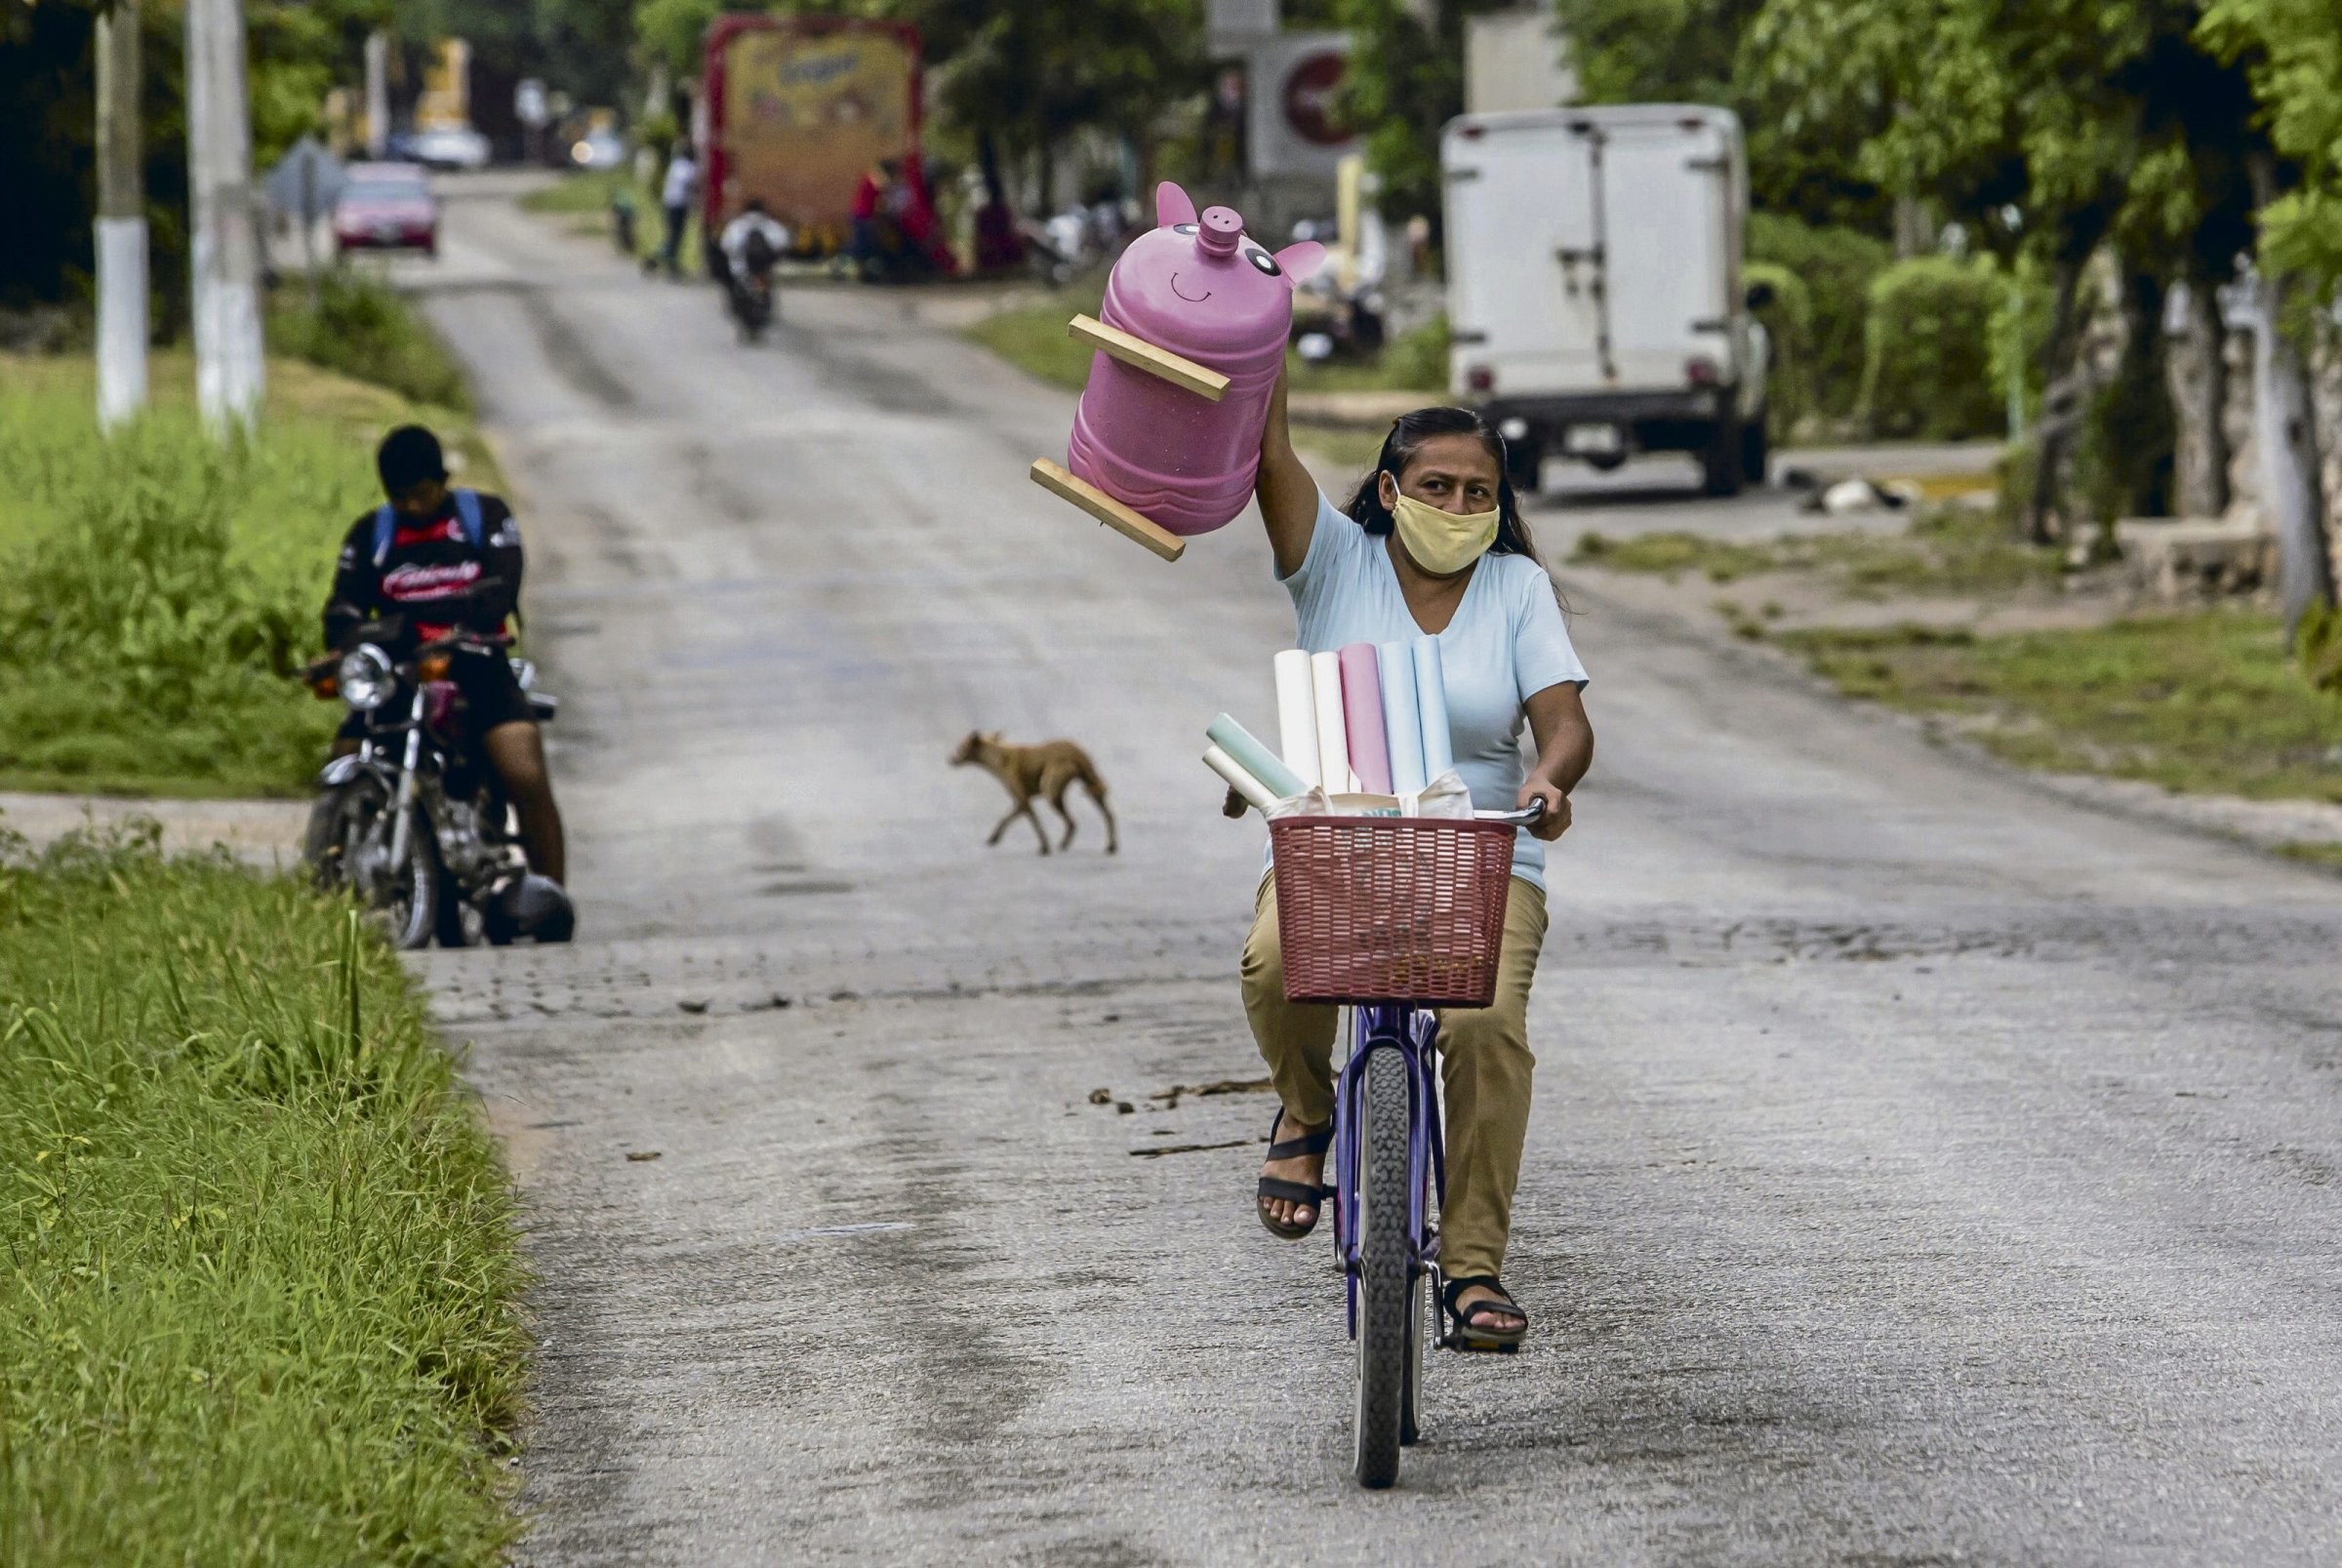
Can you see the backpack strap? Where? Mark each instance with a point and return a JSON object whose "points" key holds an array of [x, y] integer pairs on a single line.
{"points": [[468, 513], [467, 510]]}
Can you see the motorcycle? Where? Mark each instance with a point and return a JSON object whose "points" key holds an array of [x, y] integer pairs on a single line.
{"points": [[415, 824], [752, 302]]}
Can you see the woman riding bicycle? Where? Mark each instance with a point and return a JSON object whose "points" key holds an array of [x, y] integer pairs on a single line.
{"points": [[1433, 542]]}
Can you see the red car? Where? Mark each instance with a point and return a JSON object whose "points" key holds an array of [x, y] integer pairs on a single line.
{"points": [[386, 207]]}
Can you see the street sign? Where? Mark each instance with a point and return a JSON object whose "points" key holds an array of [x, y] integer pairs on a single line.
{"points": [[1289, 104], [305, 181]]}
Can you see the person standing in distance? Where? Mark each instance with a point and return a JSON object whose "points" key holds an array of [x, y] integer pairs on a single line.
{"points": [[674, 204], [450, 561]]}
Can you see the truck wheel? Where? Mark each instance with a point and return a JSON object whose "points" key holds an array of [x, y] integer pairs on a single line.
{"points": [[1719, 460], [1755, 452]]}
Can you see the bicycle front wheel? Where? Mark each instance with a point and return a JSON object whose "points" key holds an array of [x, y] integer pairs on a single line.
{"points": [[1385, 1270]]}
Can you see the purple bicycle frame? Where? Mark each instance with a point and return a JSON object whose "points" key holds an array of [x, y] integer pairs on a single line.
{"points": [[1414, 1033]]}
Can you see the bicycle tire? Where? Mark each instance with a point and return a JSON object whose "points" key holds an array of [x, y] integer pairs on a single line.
{"points": [[1384, 1269], [1410, 1404]]}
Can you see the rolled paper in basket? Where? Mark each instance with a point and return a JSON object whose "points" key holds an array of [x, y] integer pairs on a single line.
{"points": [[1297, 716], [1253, 757], [1333, 735], [1402, 721], [1430, 701], [1243, 782], [1362, 715]]}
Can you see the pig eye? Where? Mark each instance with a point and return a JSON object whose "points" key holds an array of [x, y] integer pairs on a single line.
{"points": [[1183, 228], [1264, 261]]}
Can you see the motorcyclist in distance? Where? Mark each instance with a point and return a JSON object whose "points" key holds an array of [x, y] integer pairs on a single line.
{"points": [[432, 570], [751, 243]]}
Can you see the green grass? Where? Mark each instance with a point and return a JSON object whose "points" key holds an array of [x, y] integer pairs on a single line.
{"points": [[588, 191], [359, 326], [1949, 550], [2203, 702], [158, 588], [259, 1294], [2328, 856], [584, 200]]}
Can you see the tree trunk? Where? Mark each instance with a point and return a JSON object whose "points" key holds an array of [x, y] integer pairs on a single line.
{"points": [[2197, 373], [121, 226], [2285, 431], [2060, 399], [225, 243]]}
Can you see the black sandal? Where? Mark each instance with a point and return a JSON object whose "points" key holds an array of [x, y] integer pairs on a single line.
{"points": [[1276, 1186], [1467, 1332]]}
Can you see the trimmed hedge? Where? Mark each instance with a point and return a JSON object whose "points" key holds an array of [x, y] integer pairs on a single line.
{"points": [[1834, 268], [1927, 364]]}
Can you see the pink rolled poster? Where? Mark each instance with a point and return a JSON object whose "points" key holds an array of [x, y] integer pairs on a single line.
{"points": [[1362, 715]]}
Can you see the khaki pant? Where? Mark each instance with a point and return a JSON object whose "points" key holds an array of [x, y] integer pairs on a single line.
{"points": [[1484, 1066]]}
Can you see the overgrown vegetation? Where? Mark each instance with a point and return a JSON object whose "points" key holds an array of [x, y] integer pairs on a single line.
{"points": [[357, 324], [259, 1298], [1947, 549], [158, 588], [2204, 702]]}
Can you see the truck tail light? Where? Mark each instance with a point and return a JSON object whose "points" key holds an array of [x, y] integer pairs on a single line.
{"points": [[1700, 371], [1480, 378]]}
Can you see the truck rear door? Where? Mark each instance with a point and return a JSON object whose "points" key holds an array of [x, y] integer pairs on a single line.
{"points": [[1669, 223], [1525, 265]]}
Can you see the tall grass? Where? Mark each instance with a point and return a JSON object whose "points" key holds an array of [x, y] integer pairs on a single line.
{"points": [[358, 325], [157, 590], [258, 1269]]}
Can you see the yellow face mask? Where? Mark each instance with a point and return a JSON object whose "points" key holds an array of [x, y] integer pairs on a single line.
{"points": [[1443, 542]]}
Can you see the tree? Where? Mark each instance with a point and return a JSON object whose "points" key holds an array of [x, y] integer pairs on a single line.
{"points": [[1405, 80]]}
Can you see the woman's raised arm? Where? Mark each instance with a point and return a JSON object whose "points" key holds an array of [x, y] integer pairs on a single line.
{"points": [[1287, 494]]}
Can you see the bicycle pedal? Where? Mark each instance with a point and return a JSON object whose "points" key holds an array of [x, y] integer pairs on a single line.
{"points": [[1466, 1347]]}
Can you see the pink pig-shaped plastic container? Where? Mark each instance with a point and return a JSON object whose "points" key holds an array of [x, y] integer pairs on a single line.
{"points": [[1199, 288]]}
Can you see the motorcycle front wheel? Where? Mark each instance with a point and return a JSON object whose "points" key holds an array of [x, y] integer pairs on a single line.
{"points": [[349, 840]]}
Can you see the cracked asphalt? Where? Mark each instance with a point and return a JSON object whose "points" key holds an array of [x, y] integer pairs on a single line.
{"points": [[1925, 1167]]}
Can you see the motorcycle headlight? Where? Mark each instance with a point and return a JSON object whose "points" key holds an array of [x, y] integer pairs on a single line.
{"points": [[365, 677]]}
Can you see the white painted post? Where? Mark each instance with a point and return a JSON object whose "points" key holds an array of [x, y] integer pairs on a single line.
{"points": [[378, 93], [121, 226], [225, 243]]}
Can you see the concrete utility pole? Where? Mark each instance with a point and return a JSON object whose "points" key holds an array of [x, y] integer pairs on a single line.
{"points": [[378, 93], [121, 227], [227, 243]]}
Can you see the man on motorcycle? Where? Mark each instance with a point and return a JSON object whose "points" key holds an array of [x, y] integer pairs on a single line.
{"points": [[750, 246], [450, 561], [753, 230]]}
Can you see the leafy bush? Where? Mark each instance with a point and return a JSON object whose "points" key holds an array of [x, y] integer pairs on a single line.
{"points": [[157, 589], [1927, 363], [361, 327], [260, 1289], [1789, 390], [1837, 266]]}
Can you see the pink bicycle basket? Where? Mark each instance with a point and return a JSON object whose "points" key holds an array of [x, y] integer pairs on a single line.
{"points": [[1391, 908]]}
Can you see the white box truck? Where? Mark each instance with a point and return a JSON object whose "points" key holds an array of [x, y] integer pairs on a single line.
{"points": [[1593, 288]]}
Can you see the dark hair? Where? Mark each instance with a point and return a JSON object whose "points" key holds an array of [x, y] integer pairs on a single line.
{"points": [[756, 205], [1408, 433], [408, 456]]}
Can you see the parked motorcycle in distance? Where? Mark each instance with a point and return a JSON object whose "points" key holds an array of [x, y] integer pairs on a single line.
{"points": [[415, 824]]}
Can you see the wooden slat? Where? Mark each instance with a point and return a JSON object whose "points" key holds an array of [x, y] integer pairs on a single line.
{"points": [[1054, 478], [1140, 354]]}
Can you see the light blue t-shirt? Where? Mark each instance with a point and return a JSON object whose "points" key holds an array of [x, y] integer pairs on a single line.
{"points": [[1506, 644]]}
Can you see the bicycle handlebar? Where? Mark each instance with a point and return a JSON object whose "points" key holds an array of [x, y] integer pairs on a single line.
{"points": [[1526, 817]]}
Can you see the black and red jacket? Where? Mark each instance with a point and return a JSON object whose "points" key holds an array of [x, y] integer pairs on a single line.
{"points": [[435, 574]]}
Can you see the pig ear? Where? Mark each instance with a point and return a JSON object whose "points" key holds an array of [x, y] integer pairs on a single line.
{"points": [[1172, 205], [1298, 261]]}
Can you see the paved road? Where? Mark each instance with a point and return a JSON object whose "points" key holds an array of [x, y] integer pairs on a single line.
{"points": [[1924, 1169]]}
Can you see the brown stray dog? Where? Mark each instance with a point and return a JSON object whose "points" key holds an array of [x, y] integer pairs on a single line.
{"points": [[1030, 772]]}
